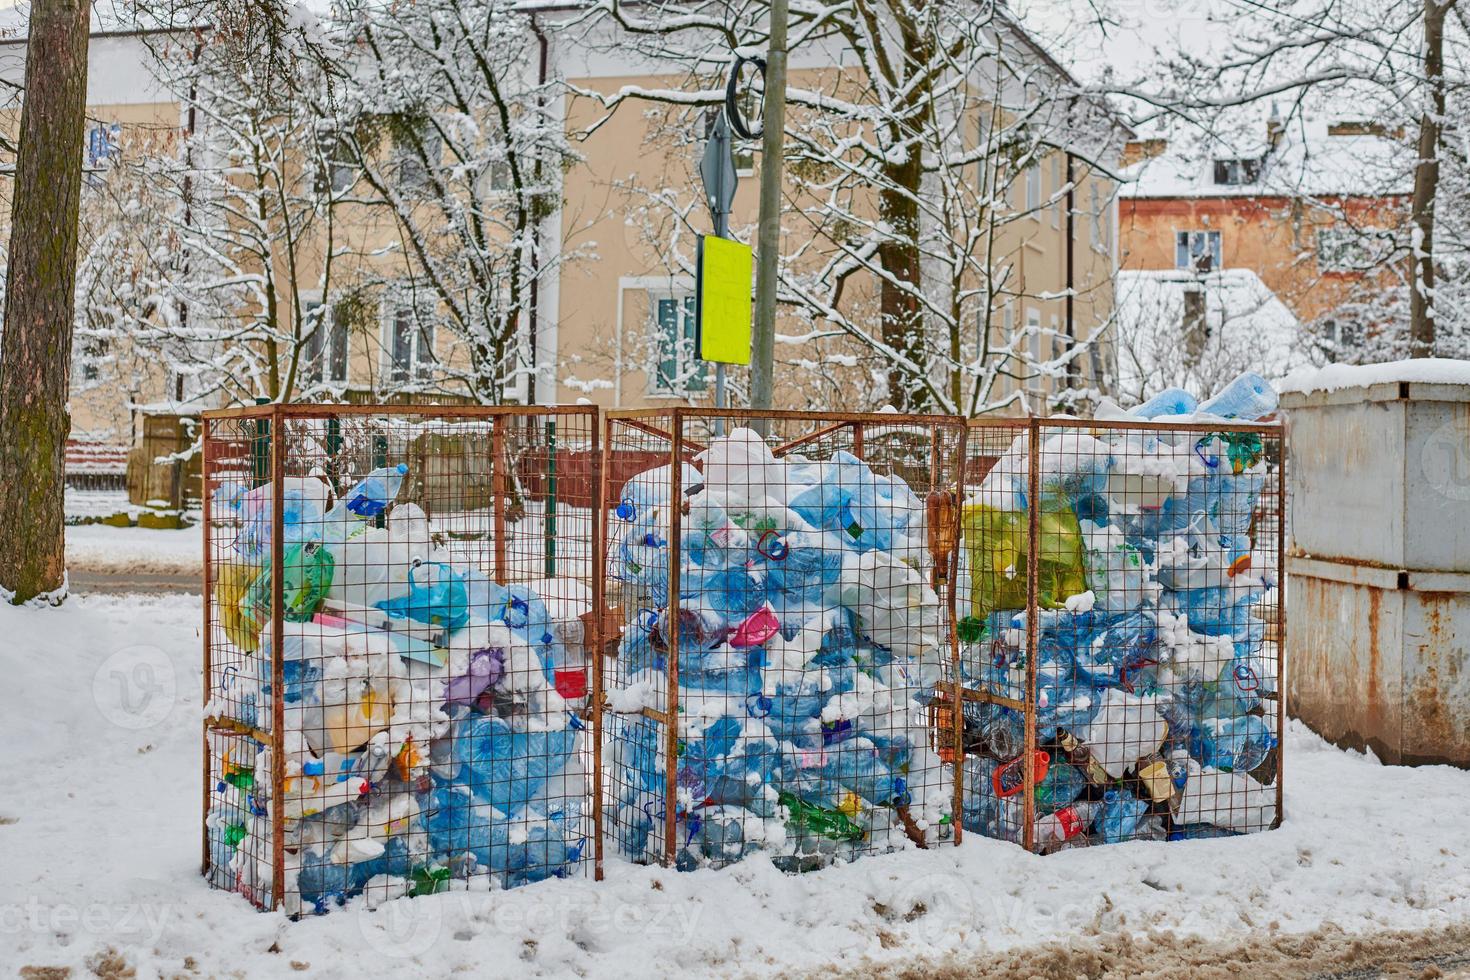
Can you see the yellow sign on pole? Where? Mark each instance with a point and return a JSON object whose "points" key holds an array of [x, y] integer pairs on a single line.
{"points": [[722, 300]]}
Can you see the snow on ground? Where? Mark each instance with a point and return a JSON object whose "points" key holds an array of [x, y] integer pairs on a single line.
{"points": [[99, 846], [101, 548]]}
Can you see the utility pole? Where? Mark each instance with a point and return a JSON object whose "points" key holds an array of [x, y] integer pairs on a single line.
{"points": [[768, 240]]}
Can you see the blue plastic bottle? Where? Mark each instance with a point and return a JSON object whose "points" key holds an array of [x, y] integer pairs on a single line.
{"points": [[1170, 401], [1247, 398], [1238, 744], [366, 500], [504, 767], [1122, 812]]}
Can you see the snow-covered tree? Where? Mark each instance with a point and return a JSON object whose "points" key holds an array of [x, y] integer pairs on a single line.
{"points": [[243, 251], [906, 159], [1397, 68], [447, 119]]}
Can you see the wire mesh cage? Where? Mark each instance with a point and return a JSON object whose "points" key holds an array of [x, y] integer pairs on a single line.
{"points": [[782, 586], [399, 649], [1121, 653]]}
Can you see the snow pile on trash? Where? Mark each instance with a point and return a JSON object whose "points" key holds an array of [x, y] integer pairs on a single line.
{"points": [[809, 640], [432, 723], [1155, 710]]}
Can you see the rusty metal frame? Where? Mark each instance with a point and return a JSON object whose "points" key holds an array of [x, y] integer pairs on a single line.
{"points": [[273, 415], [671, 424], [206, 679], [1033, 427]]}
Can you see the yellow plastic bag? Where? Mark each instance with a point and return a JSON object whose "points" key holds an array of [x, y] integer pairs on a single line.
{"points": [[231, 582], [996, 543]]}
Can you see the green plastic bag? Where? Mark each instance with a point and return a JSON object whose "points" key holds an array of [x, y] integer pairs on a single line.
{"points": [[308, 577], [996, 542]]}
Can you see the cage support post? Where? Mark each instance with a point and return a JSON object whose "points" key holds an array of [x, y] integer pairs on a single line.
{"points": [[208, 678], [597, 568], [278, 701], [1281, 503], [1033, 546], [551, 498], [957, 708], [499, 487], [671, 751]]}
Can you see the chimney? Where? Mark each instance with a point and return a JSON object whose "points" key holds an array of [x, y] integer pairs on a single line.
{"points": [[1195, 326], [1137, 151], [1274, 128]]}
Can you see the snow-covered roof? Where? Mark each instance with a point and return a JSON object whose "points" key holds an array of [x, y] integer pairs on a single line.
{"points": [[1335, 377], [1248, 329], [1315, 157]]}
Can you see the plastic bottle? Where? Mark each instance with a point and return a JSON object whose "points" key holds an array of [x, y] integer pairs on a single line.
{"points": [[1121, 815], [1247, 398], [1081, 759], [1064, 782], [503, 766], [1238, 744], [1116, 571], [1069, 823], [369, 498], [834, 823], [1170, 401]]}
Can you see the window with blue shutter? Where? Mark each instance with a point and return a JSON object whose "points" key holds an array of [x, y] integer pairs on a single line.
{"points": [[679, 368]]}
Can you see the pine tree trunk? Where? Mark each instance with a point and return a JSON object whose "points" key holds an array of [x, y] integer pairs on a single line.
{"points": [[35, 351]]}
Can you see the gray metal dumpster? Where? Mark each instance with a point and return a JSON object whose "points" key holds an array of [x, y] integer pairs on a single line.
{"points": [[1378, 610]]}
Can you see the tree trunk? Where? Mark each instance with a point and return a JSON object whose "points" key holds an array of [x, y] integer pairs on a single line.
{"points": [[1426, 184], [902, 324], [35, 354]]}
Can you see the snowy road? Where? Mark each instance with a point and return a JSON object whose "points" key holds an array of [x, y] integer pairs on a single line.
{"points": [[99, 851]]}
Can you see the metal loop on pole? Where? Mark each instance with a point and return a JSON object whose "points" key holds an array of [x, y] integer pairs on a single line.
{"points": [[739, 123]]}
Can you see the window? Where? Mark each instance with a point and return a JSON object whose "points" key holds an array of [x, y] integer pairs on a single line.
{"points": [[1347, 249], [1340, 337], [679, 368], [93, 352], [410, 343], [326, 345], [414, 156], [102, 144], [1057, 180], [1033, 340], [335, 171], [1101, 210], [1197, 250], [496, 178], [1033, 190], [1234, 173]]}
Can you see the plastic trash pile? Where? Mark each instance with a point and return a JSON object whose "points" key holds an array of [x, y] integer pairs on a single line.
{"points": [[809, 641], [1153, 710], [431, 716]]}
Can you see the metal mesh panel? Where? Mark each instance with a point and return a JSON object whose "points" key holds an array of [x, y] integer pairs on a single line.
{"points": [[782, 586], [399, 613], [1117, 590]]}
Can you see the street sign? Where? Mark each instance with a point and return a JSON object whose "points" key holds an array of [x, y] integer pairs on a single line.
{"points": [[717, 170], [722, 300]]}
